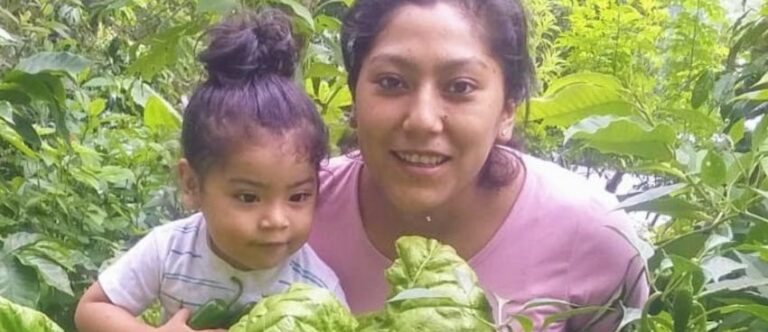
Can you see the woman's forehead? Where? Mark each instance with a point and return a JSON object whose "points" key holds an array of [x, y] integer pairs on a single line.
{"points": [[439, 32]]}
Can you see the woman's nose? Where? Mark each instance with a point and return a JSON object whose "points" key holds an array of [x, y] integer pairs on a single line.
{"points": [[424, 114]]}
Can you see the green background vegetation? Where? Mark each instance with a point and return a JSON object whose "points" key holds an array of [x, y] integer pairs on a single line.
{"points": [[668, 93]]}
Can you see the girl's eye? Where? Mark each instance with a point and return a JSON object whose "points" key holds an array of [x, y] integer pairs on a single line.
{"points": [[248, 198], [390, 83], [296, 198], [461, 87]]}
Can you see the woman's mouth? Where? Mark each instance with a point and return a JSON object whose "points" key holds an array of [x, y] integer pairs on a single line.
{"points": [[419, 159]]}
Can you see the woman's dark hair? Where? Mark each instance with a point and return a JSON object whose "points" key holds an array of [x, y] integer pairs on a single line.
{"points": [[503, 24], [250, 92]]}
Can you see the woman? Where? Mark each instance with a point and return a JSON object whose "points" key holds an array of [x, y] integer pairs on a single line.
{"points": [[436, 86]]}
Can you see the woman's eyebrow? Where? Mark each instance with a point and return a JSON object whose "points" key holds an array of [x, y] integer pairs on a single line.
{"points": [[407, 63]]}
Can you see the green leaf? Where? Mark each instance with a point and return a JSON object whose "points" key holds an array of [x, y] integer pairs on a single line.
{"points": [[718, 266], [158, 114], [69, 63], [625, 136], [669, 206], [418, 293], [4, 35], [649, 196], [762, 81], [577, 101], [18, 318], [760, 134], [96, 107], [300, 11], [759, 95], [116, 174], [217, 6], [10, 135], [734, 285], [704, 86], [19, 240], [18, 283], [52, 273], [759, 311], [737, 131], [713, 169]]}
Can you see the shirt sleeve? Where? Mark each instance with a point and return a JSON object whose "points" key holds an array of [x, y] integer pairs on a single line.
{"points": [[339, 292], [605, 270], [133, 281]]}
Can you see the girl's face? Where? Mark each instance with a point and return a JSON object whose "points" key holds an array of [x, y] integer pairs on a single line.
{"points": [[258, 203], [429, 105]]}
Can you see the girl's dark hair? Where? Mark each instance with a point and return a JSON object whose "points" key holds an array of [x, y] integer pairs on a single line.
{"points": [[250, 92], [503, 24]]}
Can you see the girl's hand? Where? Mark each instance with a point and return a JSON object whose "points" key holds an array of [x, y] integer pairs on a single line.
{"points": [[178, 323]]}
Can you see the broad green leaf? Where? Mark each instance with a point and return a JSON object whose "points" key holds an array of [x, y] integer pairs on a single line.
{"points": [[734, 285], [670, 206], [737, 131], [59, 254], [625, 136], [5, 36], [688, 246], [418, 293], [52, 273], [18, 318], [12, 137], [19, 240], [163, 49], [301, 11], [762, 81], [66, 62], [217, 6], [576, 102], [718, 266], [116, 174], [18, 283], [759, 311], [760, 134], [704, 86], [648, 196], [96, 107], [713, 169], [759, 95], [601, 80], [158, 114]]}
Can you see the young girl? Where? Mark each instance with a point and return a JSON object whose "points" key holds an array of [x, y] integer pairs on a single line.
{"points": [[252, 144]]}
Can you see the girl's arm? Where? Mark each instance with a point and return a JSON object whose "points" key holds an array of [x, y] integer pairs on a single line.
{"points": [[96, 313]]}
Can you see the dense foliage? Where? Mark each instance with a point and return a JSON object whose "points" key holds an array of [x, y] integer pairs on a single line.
{"points": [[667, 93]]}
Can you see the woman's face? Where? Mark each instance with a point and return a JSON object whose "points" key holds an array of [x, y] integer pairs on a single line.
{"points": [[429, 105]]}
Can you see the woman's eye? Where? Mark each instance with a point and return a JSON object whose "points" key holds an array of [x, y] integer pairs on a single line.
{"points": [[300, 197], [248, 198], [461, 87], [390, 83]]}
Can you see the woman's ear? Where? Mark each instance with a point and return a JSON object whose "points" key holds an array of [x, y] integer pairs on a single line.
{"points": [[190, 185], [506, 122]]}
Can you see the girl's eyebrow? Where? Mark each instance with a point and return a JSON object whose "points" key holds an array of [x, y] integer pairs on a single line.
{"points": [[259, 184]]}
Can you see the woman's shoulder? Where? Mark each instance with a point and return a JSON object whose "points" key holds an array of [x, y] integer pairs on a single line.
{"points": [[338, 173], [573, 202]]}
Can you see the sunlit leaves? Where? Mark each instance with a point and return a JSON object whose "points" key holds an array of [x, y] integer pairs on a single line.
{"points": [[626, 136], [66, 62], [573, 98]]}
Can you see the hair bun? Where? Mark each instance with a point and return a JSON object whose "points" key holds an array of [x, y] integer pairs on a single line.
{"points": [[251, 45]]}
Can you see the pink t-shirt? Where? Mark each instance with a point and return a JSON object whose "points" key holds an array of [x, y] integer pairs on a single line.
{"points": [[561, 240]]}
